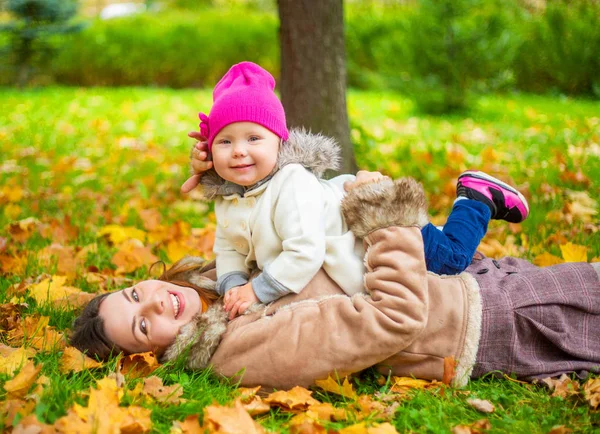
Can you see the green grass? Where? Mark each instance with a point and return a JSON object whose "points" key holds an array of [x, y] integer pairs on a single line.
{"points": [[98, 155]]}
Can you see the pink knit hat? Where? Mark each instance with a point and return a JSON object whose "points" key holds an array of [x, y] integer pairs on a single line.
{"points": [[244, 94]]}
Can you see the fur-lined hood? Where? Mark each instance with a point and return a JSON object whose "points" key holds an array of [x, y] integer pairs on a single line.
{"points": [[315, 152]]}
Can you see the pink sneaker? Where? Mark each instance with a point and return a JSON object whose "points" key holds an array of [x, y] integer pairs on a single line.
{"points": [[505, 202]]}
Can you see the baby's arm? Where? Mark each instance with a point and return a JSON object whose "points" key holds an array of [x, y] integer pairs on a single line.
{"points": [[231, 265], [300, 224]]}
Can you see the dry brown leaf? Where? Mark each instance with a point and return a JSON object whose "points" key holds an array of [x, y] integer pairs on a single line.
{"points": [[10, 314], [256, 406], [591, 390], [546, 260], [11, 407], [230, 420], [297, 398], [362, 428], [11, 264], [326, 411], [22, 382], [191, 425], [74, 360], [34, 331], [478, 427], [150, 218], [66, 261], [247, 394], [132, 255], [303, 423], [23, 229], [482, 405], [449, 370], [345, 389], [31, 425], [153, 386], [563, 386], [139, 365]]}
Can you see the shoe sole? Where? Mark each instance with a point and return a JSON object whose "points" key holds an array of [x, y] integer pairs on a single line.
{"points": [[482, 175]]}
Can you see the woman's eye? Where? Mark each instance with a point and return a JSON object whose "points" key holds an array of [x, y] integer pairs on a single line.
{"points": [[143, 327], [134, 295]]}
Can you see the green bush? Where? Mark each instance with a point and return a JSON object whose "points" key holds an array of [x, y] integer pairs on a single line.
{"points": [[562, 49], [456, 47], [176, 49]]}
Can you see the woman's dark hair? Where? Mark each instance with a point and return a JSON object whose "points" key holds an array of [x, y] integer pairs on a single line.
{"points": [[88, 328]]}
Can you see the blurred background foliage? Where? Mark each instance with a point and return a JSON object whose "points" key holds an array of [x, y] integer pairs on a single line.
{"points": [[439, 52]]}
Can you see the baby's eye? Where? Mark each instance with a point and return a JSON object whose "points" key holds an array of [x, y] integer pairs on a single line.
{"points": [[254, 138], [224, 142], [143, 327], [134, 295]]}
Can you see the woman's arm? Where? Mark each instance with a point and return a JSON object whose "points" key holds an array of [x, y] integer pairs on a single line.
{"points": [[311, 339]]}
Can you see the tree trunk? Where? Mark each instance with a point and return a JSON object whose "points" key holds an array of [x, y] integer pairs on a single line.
{"points": [[313, 70]]}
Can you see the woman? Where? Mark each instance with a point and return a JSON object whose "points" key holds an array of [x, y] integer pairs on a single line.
{"points": [[506, 315]]}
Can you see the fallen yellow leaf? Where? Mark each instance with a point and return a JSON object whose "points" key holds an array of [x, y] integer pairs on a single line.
{"points": [[22, 382], [52, 289], [345, 389], [118, 234], [297, 398], [153, 386], [74, 360], [591, 391], [546, 259], [573, 252], [139, 365], [404, 384], [230, 420], [362, 428]]}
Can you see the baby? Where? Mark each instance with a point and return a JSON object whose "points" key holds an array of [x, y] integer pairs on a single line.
{"points": [[277, 217]]}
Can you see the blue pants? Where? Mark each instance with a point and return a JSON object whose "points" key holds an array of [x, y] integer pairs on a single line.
{"points": [[450, 251]]}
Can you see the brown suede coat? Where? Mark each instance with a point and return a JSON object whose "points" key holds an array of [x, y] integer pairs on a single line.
{"points": [[407, 321]]}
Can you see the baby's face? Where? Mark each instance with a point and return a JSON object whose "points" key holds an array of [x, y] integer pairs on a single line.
{"points": [[245, 152]]}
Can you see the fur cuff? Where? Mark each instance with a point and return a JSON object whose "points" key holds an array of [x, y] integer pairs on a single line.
{"points": [[383, 204], [198, 340]]}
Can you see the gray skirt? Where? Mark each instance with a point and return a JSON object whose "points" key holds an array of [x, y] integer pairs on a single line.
{"points": [[537, 322]]}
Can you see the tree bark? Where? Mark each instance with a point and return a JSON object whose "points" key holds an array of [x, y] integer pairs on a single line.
{"points": [[313, 70]]}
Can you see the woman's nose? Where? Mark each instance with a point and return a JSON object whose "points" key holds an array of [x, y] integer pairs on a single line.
{"points": [[155, 305]]}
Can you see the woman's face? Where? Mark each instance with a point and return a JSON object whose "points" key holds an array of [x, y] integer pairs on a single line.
{"points": [[148, 315]]}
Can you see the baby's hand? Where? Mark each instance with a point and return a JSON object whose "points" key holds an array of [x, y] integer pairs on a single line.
{"points": [[200, 162], [364, 177], [238, 299]]}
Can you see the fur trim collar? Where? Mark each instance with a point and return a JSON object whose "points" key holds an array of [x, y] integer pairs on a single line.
{"points": [[315, 152], [198, 340], [385, 203]]}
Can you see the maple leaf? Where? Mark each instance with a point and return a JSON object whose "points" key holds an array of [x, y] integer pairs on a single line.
{"points": [[581, 206], [74, 360], [574, 253], [326, 411], [23, 229], [591, 391], [52, 289], [563, 386], [139, 364], [546, 260], [132, 255], [404, 384], [10, 314], [12, 359], [303, 423], [66, 260], [9, 409], [345, 389], [153, 386], [230, 420], [22, 382], [151, 219], [297, 398], [35, 332]]}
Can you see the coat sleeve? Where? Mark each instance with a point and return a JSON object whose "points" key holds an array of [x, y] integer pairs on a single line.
{"points": [[231, 265], [309, 340], [298, 218]]}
